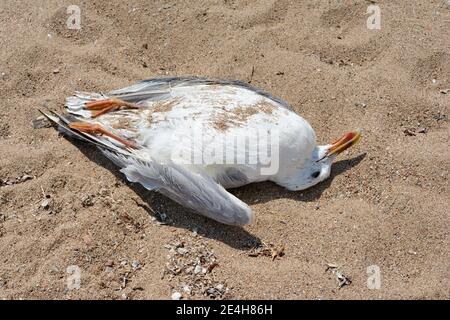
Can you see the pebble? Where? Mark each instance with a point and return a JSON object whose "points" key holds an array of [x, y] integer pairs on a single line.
{"points": [[177, 244], [25, 177], [136, 265], [187, 289], [197, 269], [86, 201], [176, 296], [211, 291], [54, 270], [182, 250], [109, 263], [422, 130], [41, 122], [55, 71], [360, 104], [45, 204]]}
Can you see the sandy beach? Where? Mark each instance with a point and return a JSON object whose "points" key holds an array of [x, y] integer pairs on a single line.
{"points": [[66, 211]]}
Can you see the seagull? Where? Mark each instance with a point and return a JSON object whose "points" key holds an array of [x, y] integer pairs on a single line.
{"points": [[193, 138]]}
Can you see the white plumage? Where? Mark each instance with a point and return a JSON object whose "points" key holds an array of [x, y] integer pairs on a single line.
{"points": [[192, 138]]}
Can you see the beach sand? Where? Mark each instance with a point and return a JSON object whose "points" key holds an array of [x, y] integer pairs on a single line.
{"points": [[386, 203]]}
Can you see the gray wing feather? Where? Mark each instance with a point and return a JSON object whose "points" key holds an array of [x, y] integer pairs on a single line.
{"points": [[159, 88], [232, 178], [195, 190]]}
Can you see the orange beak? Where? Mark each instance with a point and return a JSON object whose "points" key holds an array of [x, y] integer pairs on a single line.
{"points": [[345, 142]]}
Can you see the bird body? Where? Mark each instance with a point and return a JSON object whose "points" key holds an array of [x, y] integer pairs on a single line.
{"points": [[192, 138]]}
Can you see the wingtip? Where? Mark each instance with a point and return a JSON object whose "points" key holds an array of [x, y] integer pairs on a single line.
{"points": [[251, 218], [247, 218], [52, 118]]}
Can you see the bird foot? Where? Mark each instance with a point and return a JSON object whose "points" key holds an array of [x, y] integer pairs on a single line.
{"points": [[98, 129], [104, 106]]}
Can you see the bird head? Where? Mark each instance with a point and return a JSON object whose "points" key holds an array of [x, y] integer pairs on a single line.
{"points": [[319, 167]]}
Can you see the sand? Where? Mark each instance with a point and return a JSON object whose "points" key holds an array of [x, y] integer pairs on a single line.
{"points": [[386, 203]]}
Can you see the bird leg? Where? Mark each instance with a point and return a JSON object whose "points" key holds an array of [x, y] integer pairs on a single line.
{"points": [[98, 129], [100, 107]]}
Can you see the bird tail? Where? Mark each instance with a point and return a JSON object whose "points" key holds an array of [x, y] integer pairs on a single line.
{"points": [[76, 104]]}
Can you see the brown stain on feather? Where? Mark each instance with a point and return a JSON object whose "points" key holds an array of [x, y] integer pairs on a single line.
{"points": [[225, 119], [121, 123], [163, 106]]}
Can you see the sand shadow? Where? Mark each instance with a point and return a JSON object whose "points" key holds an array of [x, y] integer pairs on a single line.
{"points": [[266, 191], [178, 216]]}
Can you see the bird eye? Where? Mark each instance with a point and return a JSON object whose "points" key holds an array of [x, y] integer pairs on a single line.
{"points": [[315, 174]]}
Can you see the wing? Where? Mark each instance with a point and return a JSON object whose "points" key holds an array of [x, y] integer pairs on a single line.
{"points": [[161, 89], [195, 190]]}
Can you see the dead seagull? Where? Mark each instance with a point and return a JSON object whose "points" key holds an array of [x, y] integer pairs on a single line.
{"points": [[192, 138]]}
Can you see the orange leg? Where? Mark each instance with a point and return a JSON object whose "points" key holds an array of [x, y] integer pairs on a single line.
{"points": [[103, 106], [96, 113], [96, 128]]}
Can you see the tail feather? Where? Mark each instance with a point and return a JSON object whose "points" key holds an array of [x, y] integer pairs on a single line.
{"points": [[75, 104]]}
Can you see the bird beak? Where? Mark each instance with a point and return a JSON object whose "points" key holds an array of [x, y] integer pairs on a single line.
{"points": [[345, 142]]}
